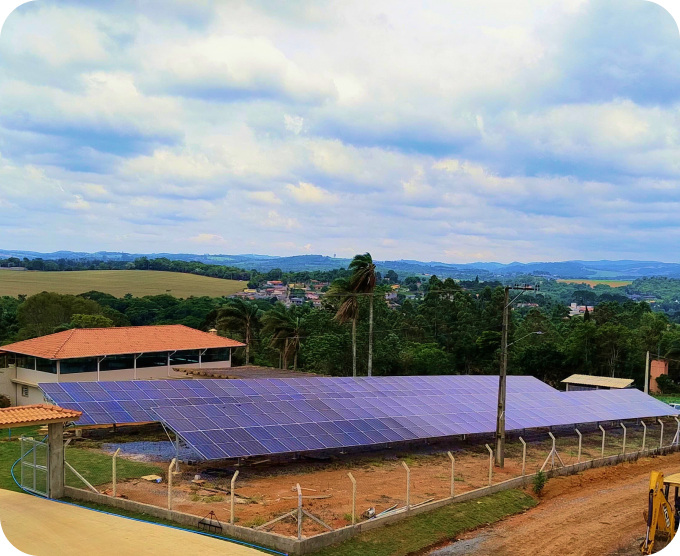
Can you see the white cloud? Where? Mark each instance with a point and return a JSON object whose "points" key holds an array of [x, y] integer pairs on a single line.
{"points": [[266, 197], [212, 239], [499, 131], [308, 193]]}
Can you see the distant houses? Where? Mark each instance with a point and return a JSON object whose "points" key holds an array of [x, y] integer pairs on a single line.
{"points": [[288, 294]]}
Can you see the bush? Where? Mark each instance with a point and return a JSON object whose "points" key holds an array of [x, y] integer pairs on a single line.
{"points": [[666, 385], [4, 401], [539, 482]]}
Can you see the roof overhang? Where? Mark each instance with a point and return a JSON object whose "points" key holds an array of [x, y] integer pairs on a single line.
{"points": [[38, 414], [602, 381]]}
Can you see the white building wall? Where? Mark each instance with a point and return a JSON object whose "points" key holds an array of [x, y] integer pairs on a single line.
{"points": [[7, 388], [13, 390], [35, 395], [34, 377]]}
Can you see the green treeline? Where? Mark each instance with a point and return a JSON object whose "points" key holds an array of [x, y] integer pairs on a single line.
{"points": [[444, 329], [253, 277]]}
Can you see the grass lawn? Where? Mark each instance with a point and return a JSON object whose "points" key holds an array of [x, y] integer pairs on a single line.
{"points": [[116, 282], [667, 398], [95, 467], [421, 531]]}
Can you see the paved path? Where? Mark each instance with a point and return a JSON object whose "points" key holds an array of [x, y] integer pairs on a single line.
{"points": [[41, 527]]}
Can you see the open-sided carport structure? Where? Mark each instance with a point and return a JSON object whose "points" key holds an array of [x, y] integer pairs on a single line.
{"points": [[52, 460], [222, 419]]}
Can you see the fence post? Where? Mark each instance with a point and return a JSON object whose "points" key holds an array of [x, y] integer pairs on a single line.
{"points": [[603, 437], [524, 455], [453, 472], [644, 434], [408, 486], [113, 471], [490, 463], [624, 439], [299, 491], [554, 450], [660, 437], [233, 482], [354, 498], [172, 464], [580, 442]]}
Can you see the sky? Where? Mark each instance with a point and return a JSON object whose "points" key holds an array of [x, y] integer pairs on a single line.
{"points": [[452, 131]]}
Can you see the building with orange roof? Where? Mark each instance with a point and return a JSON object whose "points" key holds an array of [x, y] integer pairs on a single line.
{"points": [[106, 354]]}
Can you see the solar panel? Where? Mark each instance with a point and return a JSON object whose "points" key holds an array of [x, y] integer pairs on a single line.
{"points": [[238, 418], [335, 398]]}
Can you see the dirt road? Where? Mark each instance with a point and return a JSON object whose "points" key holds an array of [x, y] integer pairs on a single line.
{"points": [[596, 513]]}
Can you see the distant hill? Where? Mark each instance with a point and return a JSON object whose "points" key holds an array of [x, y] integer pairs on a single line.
{"points": [[625, 269]]}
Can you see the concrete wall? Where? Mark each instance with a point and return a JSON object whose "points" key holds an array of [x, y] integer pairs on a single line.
{"points": [[7, 387], [35, 395], [657, 368], [312, 544], [33, 376]]}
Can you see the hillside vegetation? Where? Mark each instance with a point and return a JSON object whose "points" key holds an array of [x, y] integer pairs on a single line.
{"points": [[116, 282]]}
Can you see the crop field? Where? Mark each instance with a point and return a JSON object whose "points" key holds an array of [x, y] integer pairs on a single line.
{"points": [[593, 283], [116, 282]]}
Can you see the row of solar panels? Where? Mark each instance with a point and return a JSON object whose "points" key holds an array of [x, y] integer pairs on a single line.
{"points": [[238, 418], [134, 401]]}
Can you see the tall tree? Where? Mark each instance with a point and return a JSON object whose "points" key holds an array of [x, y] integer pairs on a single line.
{"points": [[242, 316], [363, 282], [286, 330], [347, 310]]}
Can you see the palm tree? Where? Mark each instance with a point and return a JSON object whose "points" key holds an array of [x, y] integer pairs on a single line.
{"points": [[286, 330], [240, 315], [363, 282], [348, 310]]}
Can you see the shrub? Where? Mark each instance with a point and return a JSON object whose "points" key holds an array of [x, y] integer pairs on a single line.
{"points": [[539, 482], [666, 385], [4, 401]]}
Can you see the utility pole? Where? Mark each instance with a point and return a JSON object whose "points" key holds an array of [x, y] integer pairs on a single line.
{"points": [[502, 379], [647, 375]]}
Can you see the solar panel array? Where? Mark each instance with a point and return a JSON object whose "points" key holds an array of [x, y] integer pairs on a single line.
{"points": [[238, 418]]}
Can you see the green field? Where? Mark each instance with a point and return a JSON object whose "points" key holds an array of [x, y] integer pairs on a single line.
{"points": [[592, 283], [116, 282]]}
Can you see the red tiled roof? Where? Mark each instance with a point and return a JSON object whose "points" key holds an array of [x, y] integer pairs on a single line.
{"points": [[91, 342], [36, 415]]}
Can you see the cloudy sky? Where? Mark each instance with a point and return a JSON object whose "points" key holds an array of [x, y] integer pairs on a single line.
{"points": [[448, 130]]}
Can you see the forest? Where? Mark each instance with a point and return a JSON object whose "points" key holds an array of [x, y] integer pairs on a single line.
{"points": [[448, 328]]}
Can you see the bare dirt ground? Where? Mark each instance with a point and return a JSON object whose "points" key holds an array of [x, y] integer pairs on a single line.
{"points": [[265, 491], [598, 512]]}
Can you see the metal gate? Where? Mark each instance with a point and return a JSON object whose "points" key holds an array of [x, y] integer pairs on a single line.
{"points": [[35, 474]]}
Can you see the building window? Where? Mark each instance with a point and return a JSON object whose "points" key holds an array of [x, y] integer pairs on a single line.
{"points": [[152, 360], [117, 362], [184, 357], [24, 391], [26, 362], [215, 354], [46, 365], [78, 365]]}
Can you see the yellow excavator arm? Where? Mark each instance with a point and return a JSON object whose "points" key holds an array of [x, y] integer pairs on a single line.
{"points": [[661, 515]]}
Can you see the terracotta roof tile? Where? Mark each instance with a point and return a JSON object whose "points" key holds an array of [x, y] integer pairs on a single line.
{"points": [[91, 342], [36, 414]]}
